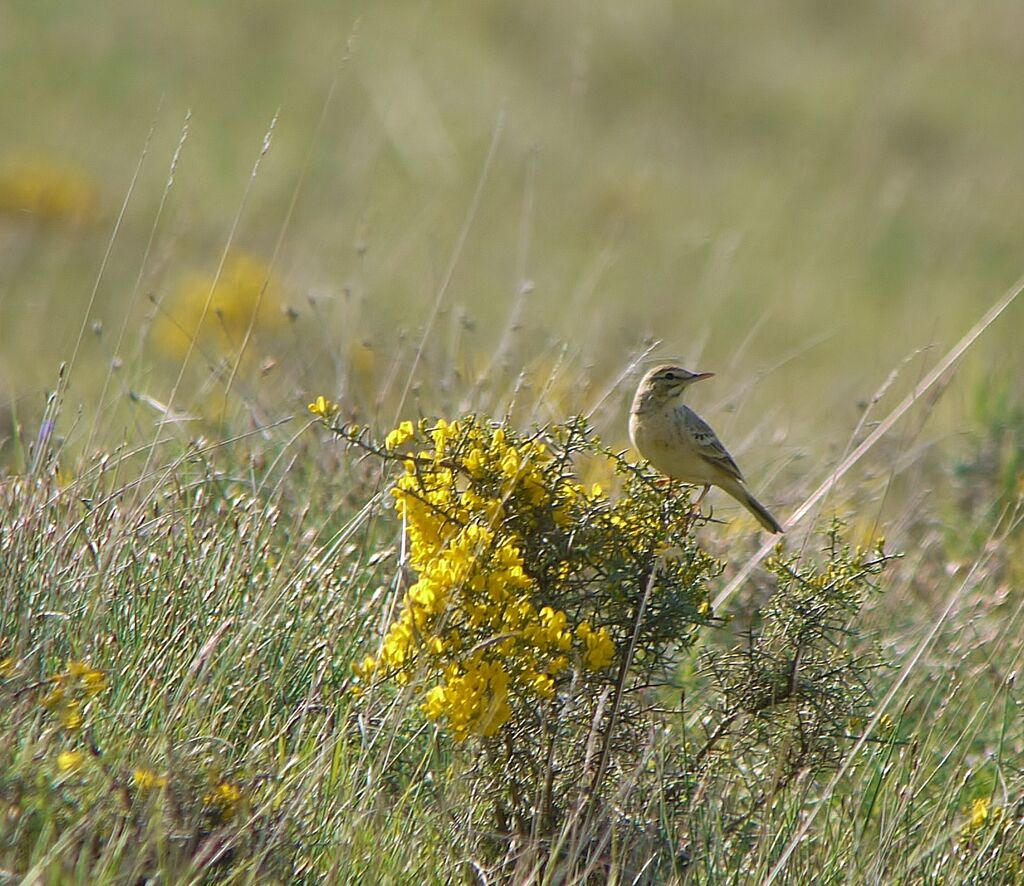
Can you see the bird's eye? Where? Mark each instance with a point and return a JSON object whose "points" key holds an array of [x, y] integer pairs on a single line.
{"points": [[670, 376]]}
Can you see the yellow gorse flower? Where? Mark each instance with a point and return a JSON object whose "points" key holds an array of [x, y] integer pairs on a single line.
{"points": [[147, 780], [600, 650], [981, 815], [71, 690], [323, 408], [980, 812], [473, 699], [70, 761], [225, 799], [402, 434], [70, 715], [472, 617], [92, 681]]}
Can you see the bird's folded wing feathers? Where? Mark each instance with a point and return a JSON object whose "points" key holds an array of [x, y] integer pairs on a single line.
{"points": [[706, 442]]}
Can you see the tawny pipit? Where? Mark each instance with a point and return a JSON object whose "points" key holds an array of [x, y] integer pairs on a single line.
{"points": [[679, 443]]}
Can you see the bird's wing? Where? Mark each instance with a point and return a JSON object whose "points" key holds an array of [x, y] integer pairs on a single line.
{"points": [[705, 441]]}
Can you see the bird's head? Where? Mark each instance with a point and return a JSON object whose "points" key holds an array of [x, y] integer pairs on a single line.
{"points": [[663, 384]]}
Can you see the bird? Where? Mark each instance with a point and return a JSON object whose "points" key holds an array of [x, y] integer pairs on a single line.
{"points": [[681, 445]]}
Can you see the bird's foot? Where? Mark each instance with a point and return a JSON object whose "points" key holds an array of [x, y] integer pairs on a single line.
{"points": [[695, 511]]}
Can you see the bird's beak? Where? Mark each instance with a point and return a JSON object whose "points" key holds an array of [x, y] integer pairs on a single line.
{"points": [[700, 376]]}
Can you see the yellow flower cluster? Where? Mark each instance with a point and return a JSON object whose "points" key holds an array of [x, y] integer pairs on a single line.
{"points": [[71, 689], [981, 815], [323, 408], [225, 800], [70, 761], [147, 780], [473, 620], [473, 698], [43, 189], [599, 646], [399, 436], [220, 311]]}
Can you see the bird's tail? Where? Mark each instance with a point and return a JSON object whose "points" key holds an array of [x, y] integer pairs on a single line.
{"points": [[764, 516]]}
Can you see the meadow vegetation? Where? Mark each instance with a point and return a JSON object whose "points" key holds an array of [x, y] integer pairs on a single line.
{"points": [[323, 557]]}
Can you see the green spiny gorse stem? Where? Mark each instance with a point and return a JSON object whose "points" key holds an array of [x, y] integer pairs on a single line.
{"points": [[794, 691]]}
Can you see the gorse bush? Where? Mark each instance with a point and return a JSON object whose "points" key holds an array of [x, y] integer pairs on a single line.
{"points": [[510, 554], [792, 695], [541, 626]]}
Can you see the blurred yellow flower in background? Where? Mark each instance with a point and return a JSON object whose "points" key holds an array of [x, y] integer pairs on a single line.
{"points": [[225, 799], [219, 311], [70, 761], [981, 815], [148, 780], [71, 690], [44, 189]]}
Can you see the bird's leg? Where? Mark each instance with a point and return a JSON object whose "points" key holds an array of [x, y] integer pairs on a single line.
{"points": [[695, 506]]}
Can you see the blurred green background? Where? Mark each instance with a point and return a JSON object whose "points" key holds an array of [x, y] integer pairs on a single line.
{"points": [[799, 197]]}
